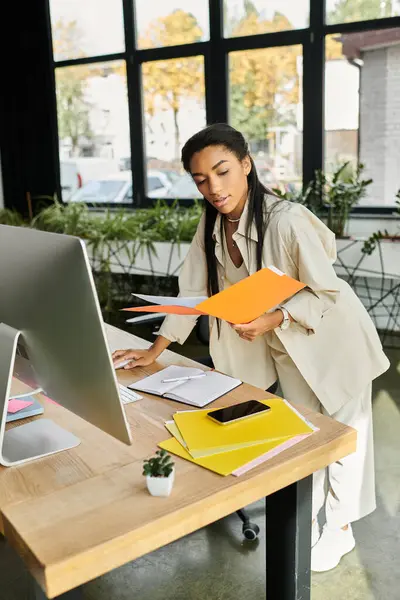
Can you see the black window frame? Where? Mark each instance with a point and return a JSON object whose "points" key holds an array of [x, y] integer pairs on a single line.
{"points": [[215, 53]]}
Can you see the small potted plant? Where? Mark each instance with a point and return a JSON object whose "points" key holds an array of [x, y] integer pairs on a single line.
{"points": [[160, 473]]}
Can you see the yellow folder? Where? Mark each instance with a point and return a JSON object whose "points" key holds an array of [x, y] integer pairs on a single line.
{"points": [[173, 429], [224, 463], [202, 435]]}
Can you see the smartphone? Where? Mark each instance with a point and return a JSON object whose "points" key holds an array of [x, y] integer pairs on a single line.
{"points": [[237, 412]]}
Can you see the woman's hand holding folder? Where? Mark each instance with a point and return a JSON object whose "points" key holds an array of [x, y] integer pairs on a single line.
{"points": [[260, 326]]}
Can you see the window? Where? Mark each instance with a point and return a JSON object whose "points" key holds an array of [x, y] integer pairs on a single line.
{"points": [[184, 187], [264, 16], [171, 22], [105, 190], [362, 118], [265, 105], [174, 107], [89, 28], [93, 123], [180, 74], [342, 81], [347, 11]]}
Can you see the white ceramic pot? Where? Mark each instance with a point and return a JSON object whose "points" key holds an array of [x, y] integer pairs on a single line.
{"points": [[160, 486]]}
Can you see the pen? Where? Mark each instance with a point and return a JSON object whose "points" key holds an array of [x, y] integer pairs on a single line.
{"points": [[183, 378]]}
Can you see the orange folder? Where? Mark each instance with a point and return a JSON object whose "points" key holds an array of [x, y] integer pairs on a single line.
{"points": [[240, 303]]}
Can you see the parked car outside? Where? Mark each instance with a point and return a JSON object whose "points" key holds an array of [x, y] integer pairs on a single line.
{"points": [[71, 179], [117, 188], [158, 184], [184, 187], [78, 171]]}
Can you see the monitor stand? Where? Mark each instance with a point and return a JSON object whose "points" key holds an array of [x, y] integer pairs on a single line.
{"points": [[35, 439]]}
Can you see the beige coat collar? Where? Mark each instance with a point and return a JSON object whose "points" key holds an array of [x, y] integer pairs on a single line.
{"points": [[247, 250], [241, 230]]}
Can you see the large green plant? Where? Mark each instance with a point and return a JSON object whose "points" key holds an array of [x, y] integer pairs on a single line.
{"points": [[307, 195], [332, 195], [160, 223], [113, 234], [340, 192], [72, 219], [11, 217]]}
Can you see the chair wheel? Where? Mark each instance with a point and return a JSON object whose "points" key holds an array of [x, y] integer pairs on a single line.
{"points": [[251, 531]]}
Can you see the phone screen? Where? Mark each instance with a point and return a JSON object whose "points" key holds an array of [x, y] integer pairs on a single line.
{"points": [[238, 411]]}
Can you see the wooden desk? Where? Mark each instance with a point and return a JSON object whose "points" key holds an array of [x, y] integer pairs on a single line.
{"points": [[77, 515]]}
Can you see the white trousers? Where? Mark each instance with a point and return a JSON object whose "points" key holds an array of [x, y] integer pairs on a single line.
{"points": [[346, 489]]}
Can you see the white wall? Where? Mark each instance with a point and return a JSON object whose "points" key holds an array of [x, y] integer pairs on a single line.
{"points": [[342, 82], [365, 226], [392, 149], [380, 123]]}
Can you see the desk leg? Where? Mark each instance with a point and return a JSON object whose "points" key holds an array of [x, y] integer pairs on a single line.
{"points": [[75, 594], [288, 541]]}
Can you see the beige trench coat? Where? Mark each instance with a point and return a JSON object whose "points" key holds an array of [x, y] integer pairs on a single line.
{"points": [[333, 342]]}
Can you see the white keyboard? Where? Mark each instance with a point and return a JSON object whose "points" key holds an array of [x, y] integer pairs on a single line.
{"points": [[128, 395]]}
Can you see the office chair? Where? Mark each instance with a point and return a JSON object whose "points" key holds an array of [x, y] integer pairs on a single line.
{"points": [[250, 530]]}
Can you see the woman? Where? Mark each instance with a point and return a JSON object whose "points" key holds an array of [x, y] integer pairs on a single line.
{"points": [[320, 344]]}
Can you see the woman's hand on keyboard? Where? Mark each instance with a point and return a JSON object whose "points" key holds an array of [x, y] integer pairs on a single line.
{"points": [[136, 358], [141, 358]]}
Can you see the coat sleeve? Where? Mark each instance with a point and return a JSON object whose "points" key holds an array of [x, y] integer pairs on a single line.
{"points": [[192, 282], [310, 250]]}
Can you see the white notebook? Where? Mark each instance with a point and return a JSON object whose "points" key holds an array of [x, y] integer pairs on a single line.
{"points": [[196, 392]]}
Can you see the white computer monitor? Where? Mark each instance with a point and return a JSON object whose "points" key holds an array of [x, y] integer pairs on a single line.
{"points": [[47, 294]]}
